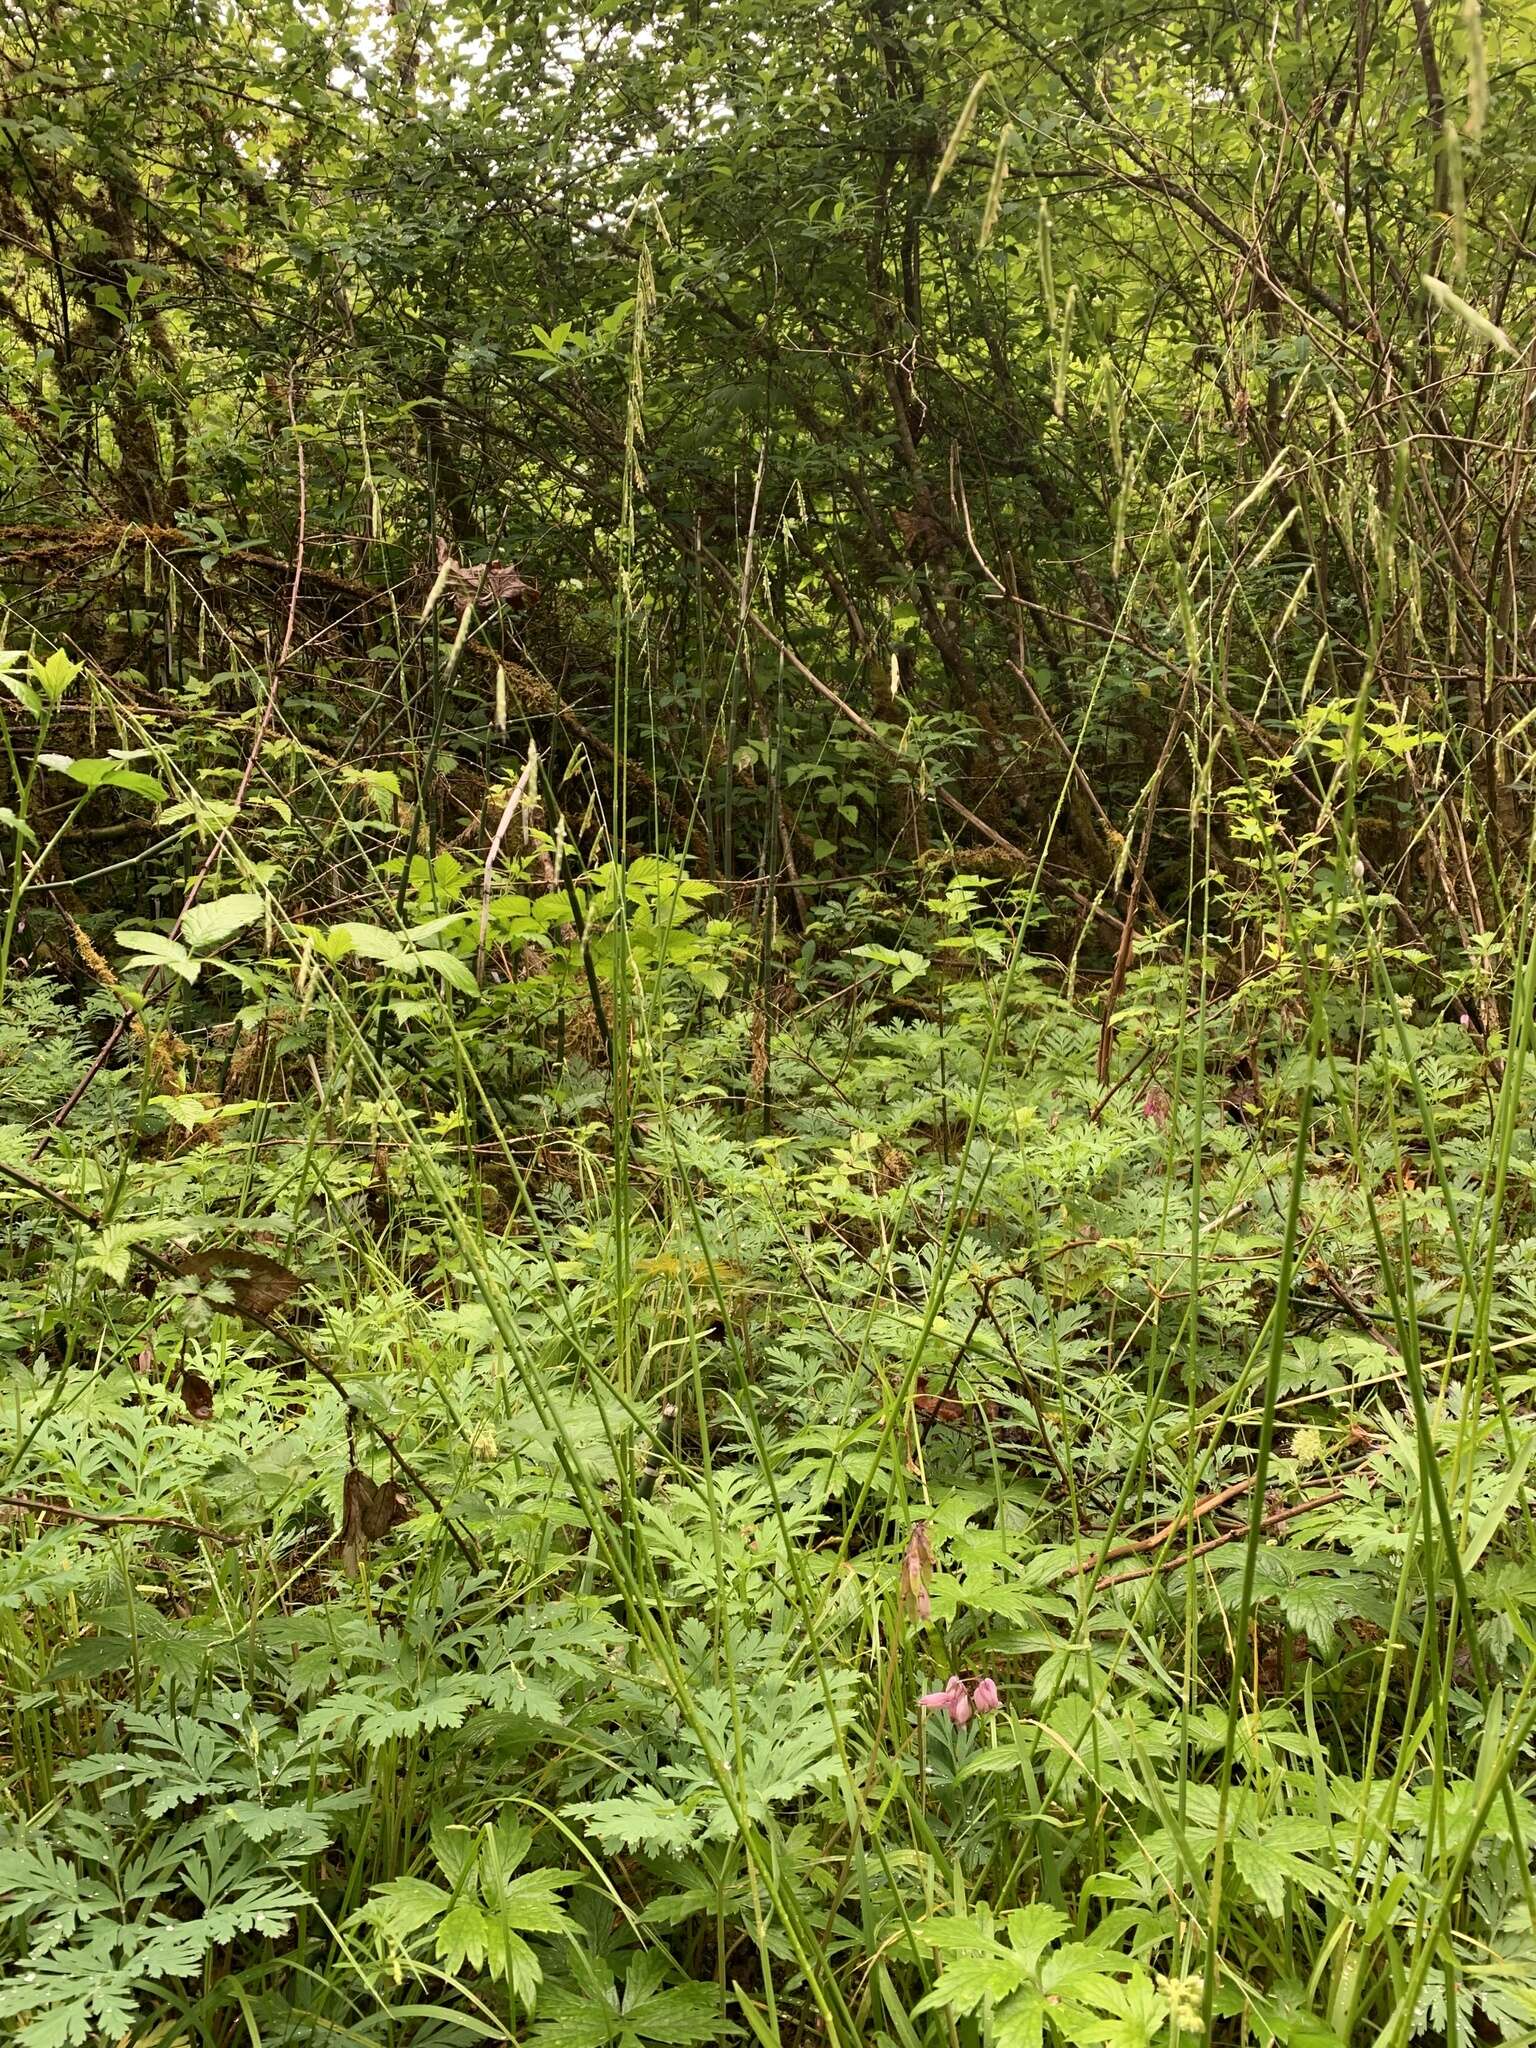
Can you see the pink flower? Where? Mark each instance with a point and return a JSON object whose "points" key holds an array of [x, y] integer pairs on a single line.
{"points": [[986, 1697], [1156, 1107], [954, 1700]]}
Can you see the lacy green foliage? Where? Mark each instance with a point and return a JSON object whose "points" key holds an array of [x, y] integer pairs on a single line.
{"points": [[808, 1276], [522, 1794]]}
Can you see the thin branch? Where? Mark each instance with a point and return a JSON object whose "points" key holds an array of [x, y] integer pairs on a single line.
{"points": [[53, 1507], [1271, 1521], [1167, 1531]]}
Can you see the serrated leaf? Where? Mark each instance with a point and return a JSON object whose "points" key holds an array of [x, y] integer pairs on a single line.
{"points": [[451, 968], [1267, 1864], [568, 2020], [511, 1958], [55, 675], [1032, 1929], [967, 1982], [532, 1903], [686, 2012], [163, 951], [647, 1819], [404, 1906], [371, 942], [210, 924], [461, 1938]]}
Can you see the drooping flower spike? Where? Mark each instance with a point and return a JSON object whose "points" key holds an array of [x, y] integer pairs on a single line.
{"points": [[960, 1701], [954, 1701]]}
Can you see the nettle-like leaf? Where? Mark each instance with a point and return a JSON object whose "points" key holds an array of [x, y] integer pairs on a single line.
{"points": [[158, 949], [646, 2011], [479, 1915], [1036, 1985], [643, 1819], [207, 925], [1288, 1850]]}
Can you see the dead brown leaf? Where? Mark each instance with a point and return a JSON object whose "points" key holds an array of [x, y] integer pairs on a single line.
{"points": [[257, 1285], [197, 1396], [368, 1513]]}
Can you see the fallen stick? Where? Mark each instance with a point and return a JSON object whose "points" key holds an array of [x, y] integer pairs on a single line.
{"points": [[55, 1507], [1270, 1521], [1167, 1531]]}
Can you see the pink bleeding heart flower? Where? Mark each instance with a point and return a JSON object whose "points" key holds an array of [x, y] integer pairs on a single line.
{"points": [[954, 1700], [986, 1698], [1156, 1108]]}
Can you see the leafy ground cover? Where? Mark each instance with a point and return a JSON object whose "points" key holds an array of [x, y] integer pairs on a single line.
{"points": [[796, 1364], [766, 817]]}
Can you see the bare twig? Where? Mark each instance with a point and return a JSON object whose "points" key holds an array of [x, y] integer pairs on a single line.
{"points": [[1166, 1532], [1271, 1521], [54, 1507]]}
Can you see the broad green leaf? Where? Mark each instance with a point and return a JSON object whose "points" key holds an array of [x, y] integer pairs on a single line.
{"points": [[54, 676], [210, 924], [372, 942], [163, 951], [967, 1982], [106, 774], [404, 1906], [686, 2012], [532, 1903], [1032, 1929], [451, 968]]}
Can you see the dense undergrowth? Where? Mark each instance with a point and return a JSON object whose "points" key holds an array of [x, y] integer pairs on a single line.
{"points": [[776, 1352], [766, 963]]}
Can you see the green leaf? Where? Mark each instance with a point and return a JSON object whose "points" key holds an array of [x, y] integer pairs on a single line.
{"points": [[462, 1936], [511, 1958], [967, 1982], [372, 942], [569, 2020], [210, 924], [687, 2012], [1021, 2022], [451, 968], [23, 692], [647, 1819], [1268, 1863], [532, 1902], [1032, 1929], [187, 1112], [403, 1907], [106, 774], [163, 950], [54, 676]]}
